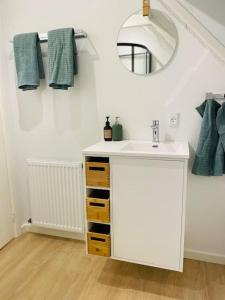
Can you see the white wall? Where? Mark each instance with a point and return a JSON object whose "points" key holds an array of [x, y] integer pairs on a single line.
{"points": [[56, 125]]}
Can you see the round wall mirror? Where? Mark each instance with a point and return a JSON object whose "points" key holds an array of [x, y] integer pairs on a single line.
{"points": [[147, 44]]}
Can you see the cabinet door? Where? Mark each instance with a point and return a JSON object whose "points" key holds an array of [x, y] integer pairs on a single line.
{"points": [[147, 211]]}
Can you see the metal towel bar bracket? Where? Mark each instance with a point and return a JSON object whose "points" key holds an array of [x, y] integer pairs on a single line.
{"points": [[219, 97]]}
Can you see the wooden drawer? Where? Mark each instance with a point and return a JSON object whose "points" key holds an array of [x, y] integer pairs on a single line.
{"points": [[98, 210], [97, 174], [98, 244], [98, 239]]}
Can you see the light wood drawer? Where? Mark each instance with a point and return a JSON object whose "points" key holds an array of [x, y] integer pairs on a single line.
{"points": [[98, 210], [97, 174], [98, 244]]}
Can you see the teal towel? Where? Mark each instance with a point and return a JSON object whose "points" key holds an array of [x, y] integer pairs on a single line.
{"points": [[209, 159], [62, 61], [220, 121], [29, 64]]}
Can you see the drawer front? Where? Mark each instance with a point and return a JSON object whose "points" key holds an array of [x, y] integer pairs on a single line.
{"points": [[98, 210], [97, 174], [98, 244]]}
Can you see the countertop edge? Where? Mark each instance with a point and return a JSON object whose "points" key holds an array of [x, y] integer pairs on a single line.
{"points": [[135, 154]]}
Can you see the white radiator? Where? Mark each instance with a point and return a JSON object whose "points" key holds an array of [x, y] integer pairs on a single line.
{"points": [[55, 191]]}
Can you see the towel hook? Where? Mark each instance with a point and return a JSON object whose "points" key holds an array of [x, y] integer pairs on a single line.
{"points": [[218, 97]]}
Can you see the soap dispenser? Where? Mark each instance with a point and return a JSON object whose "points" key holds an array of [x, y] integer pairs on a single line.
{"points": [[107, 131], [117, 131]]}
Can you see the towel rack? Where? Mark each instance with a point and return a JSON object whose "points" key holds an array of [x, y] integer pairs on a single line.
{"points": [[219, 97], [78, 34]]}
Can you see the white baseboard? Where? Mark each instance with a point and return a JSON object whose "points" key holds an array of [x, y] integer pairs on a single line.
{"points": [[205, 256], [27, 227], [189, 253]]}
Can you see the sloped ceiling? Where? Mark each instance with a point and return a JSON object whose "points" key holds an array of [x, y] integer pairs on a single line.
{"points": [[215, 9], [210, 13]]}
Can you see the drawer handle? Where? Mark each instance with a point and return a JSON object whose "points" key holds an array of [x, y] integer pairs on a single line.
{"points": [[97, 239], [97, 204], [102, 169]]}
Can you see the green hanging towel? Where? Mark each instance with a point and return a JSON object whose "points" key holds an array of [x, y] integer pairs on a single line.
{"points": [[28, 58], [221, 124], [220, 121], [62, 58], [209, 159]]}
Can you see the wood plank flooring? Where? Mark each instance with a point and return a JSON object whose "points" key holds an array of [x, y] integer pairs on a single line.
{"points": [[47, 268]]}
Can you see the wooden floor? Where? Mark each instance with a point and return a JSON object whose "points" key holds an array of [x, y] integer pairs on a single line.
{"points": [[41, 267]]}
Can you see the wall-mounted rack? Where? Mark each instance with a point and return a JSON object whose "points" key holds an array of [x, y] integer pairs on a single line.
{"points": [[219, 97], [78, 34]]}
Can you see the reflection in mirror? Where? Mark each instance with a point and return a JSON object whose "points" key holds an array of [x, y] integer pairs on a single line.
{"points": [[147, 44], [137, 58]]}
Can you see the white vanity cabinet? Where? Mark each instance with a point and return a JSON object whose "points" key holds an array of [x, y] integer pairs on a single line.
{"points": [[144, 198], [148, 211]]}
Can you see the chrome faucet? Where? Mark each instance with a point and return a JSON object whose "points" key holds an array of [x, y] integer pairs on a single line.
{"points": [[155, 130]]}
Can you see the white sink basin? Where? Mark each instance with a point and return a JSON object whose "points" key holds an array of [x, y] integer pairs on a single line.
{"points": [[161, 149]]}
